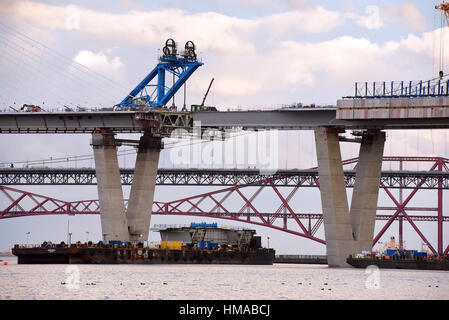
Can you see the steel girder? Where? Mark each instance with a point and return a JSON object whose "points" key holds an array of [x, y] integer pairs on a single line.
{"points": [[194, 177], [217, 204]]}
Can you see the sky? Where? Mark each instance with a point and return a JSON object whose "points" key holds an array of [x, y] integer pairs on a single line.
{"points": [[262, 54]]}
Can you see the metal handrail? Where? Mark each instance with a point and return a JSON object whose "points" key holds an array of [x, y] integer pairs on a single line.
{"points": [[397, 89]]}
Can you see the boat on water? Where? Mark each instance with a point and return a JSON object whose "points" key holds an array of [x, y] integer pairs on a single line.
{"points": [[394, 257], [194, 244], [433, 263]]}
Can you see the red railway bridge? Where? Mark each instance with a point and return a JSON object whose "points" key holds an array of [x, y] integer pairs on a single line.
{"points": [[238, 202]]}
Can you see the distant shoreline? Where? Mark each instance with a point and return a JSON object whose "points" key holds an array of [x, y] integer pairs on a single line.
{"points": [[6, 254]]}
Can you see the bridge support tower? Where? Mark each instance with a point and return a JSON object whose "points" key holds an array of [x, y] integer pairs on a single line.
{"points": [[134, 224], [141, 197], [348, 230], [110, 194]]}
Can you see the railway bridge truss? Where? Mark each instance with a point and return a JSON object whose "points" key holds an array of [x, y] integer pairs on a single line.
{"points": [[240, 199]]}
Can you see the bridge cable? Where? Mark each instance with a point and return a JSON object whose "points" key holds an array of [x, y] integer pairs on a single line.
{"points": [[63, 58], [27, 43], [33, 57], [86, 157]]}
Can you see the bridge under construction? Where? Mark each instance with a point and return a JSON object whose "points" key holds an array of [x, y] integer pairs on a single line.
{"points": [[348, 228]]}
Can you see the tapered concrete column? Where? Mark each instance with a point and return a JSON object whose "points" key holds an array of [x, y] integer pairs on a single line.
{"points": [[337, 223], [142, 189], [112, 209], [366, 189]]}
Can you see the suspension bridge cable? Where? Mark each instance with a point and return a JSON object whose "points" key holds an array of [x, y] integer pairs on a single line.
{"points": [[13, 85], [62, 57], [441, 42], [16, 41], [10, 57], [434, 42], [34, 73], [33, 57], [86, 157]]}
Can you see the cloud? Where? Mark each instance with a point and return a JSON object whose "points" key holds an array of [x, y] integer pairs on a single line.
{"points": [[296, 66], [98, 61], [427, 44], [412, 17], [215, 31], [309, 20], [372, 20], [378, 16], [251, 58], [405, 13]]}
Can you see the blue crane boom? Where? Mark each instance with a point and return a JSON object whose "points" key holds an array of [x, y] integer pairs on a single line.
{"points": [[157, 95]]}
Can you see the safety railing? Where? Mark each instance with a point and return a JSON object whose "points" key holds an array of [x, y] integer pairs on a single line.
{"points": [[300, 256], [398, 89], [158, 227]]}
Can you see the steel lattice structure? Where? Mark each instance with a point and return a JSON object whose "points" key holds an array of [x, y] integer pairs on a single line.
{"points": [[225, 177], [222, 204]]}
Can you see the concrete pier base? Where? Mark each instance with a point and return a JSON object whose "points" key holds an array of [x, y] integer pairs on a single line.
{"points": [[348, 231], [366, 190], [141, 196], [337, 222], [112, 209]]}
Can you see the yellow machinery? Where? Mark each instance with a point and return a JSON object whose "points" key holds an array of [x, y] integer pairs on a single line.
{"points": [[171, 245]]}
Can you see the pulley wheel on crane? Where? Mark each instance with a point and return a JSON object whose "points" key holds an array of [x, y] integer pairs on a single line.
{"points": [[170, 47], [190, 49]]}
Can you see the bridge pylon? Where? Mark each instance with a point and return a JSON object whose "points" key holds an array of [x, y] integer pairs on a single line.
{"points": [[114, 225], [132, 224], [141, 197], [348, 230]]}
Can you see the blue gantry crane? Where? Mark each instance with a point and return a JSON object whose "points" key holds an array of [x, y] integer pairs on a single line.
{"points": [[155, 95]]}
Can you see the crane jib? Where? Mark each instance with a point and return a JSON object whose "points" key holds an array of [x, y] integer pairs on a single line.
{"points": [[156, 94]]}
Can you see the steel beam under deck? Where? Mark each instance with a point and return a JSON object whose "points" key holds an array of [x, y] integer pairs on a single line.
{"points": [[126, 121], [219, 177]]}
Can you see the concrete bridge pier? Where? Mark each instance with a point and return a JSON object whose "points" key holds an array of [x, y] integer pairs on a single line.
{"points": [[110, 194], [366, 189], [141, 196], [348, 232], [337, 223]]}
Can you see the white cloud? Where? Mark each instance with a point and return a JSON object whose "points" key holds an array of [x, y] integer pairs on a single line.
{"points": [[310, 20], [251, 56], [215, 31], [98, 61], [292, 66], [378, 16], [102, 63], [372, 20], [405, 13]]}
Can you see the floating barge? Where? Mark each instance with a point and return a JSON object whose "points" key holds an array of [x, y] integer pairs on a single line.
{"points": [[396, 257], [400, 263], [124, 255], [203, 244]]}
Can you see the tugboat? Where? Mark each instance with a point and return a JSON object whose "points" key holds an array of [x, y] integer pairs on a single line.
{"points": [[394, 258]]}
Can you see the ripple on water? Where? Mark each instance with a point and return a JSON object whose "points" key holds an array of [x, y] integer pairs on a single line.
{"points": [[165, 282]]}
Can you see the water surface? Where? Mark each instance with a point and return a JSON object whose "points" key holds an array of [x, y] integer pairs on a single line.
{"points": [[224, 282]]}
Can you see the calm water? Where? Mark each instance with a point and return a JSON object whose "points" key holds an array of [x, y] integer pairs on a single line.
{"points": [[229, 282]]}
